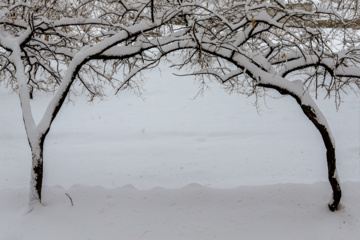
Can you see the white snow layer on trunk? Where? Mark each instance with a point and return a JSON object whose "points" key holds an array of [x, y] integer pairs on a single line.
{"points": [[33, 135]]}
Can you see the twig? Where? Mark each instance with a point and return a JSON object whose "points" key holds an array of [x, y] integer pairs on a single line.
{"points": [[72, 204]]}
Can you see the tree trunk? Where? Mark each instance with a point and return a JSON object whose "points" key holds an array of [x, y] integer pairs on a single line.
{"points": [[330, 156], [36, 174], [314, 116]]}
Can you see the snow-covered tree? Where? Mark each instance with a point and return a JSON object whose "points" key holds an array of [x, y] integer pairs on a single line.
{"points": [[251, 46], [47, 45]]}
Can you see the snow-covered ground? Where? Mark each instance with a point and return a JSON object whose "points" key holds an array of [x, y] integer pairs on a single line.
{"points": [[167, 166]]}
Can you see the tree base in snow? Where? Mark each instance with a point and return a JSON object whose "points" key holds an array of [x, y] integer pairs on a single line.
{"points": [[333, 207]]}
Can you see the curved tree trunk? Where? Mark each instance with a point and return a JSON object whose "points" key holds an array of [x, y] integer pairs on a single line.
{"points": [[330, 156], [314, 116]]}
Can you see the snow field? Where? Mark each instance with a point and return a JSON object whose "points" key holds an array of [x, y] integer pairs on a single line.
{"points": [[281, 211], [169, 167]]}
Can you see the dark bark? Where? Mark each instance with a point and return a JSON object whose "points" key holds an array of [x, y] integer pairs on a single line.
{"points": [[330, 156], [326, 136], [152, 11], [37, 170]]}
